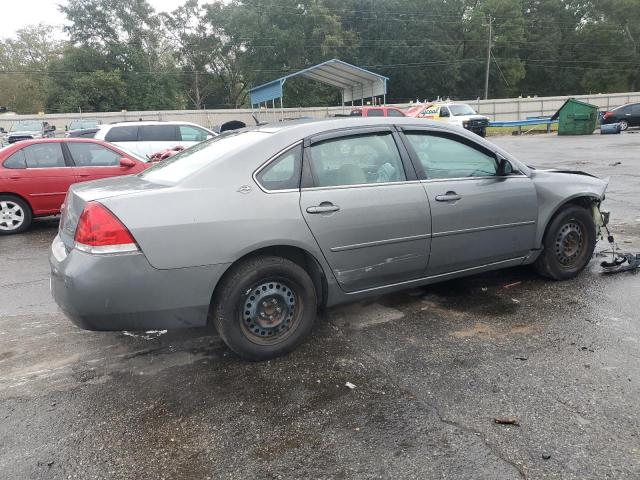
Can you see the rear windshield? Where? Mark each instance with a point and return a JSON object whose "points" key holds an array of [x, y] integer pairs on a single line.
{"points": [[180, 166]]}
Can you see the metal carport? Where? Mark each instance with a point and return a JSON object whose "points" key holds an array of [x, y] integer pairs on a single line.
{"points": [[355, 83]]}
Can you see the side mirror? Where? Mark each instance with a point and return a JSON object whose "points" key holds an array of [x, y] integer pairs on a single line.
{"points": [[127, 163], [66, 128], [504, 167]]}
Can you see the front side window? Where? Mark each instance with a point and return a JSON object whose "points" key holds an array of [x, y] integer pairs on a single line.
{"points": [[446, 157], [284, 172], [375, 112], [356, 160], [122, 134], [158, 133], [192, 134], [44, 155], [93, 155], [16, 160], [392, 112]]}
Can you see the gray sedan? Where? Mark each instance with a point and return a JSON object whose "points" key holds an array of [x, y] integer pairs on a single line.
{"points": [[256, 229]]}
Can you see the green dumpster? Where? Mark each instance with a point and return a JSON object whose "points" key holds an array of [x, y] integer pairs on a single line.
{"points": [[576, 118]]}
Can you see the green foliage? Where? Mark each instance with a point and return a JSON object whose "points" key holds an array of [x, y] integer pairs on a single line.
{"points": [[121, 54]]}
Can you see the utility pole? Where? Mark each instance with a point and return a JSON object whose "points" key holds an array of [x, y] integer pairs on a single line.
{"points": [[486, 78]]}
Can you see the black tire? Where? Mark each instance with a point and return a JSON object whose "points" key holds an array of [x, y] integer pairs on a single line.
{"points": [[568, 244], [255, 291], [624, 125], [19, 208], [483, 133]]}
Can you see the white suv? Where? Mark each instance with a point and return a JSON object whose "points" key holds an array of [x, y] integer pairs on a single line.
{"points": [[147, 138]]}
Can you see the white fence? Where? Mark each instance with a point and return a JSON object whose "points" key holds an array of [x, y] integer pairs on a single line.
{"points": [[497, 110]]}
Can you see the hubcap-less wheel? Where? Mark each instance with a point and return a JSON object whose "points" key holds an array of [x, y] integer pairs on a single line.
{"points": [[270, 311], [624, 125], [11, 215], [569, 244]]}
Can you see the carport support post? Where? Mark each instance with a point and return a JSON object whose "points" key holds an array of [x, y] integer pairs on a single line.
{"points": [[281, 109]]}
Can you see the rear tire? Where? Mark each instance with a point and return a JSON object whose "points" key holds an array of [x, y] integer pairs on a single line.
{"points": [[15, 215], [624, 125], [568, 244], [264, 307]]}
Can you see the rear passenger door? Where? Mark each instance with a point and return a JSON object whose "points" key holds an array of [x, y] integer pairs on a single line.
{"points": [[361, 200], [93, 161], [46, 178]]}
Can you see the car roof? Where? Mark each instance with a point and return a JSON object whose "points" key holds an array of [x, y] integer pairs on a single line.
{"points": [[150, 122]]}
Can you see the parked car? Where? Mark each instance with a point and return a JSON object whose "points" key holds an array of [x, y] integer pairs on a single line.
{"points": [[28, 130], [380, 111], [36, 174], [459, 114], [85, 133], [627, 116], [81, 125], [147, 138], [260, 227]]}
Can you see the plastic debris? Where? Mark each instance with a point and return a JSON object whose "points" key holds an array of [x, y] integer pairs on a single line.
{"points": [[507, 421], [509, 285], [350, 385]]}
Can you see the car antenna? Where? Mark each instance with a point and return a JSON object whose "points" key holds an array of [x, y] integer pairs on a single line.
{"points": [[258, 122]]}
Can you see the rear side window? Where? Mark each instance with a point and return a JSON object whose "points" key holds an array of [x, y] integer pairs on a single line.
{"points": [[158, 133], [44, 155], [375, 112], [395, 113], [356, 160], [16, 160], [284, 172], [192, 134], [356, 113], [93, 155], [122, 134]]}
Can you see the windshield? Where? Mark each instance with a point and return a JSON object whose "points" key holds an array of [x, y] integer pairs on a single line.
{"points": [[133, 154], [26, 126], [180, 166], [461, 109], [82, 124]]}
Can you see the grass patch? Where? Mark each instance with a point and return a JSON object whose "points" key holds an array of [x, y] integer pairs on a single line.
{"points": [[491, 131]]}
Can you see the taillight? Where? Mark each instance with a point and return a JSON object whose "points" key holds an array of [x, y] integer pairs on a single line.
{"points": [[100, 231], [607, 115]]}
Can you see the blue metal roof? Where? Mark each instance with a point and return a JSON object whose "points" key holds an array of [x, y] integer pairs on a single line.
{"points": [[356, 83]]}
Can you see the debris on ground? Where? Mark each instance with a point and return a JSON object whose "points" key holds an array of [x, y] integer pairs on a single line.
{"points": [[615, 164], [507, 421], [509, 285], [546, 456], [515, 300], [524, 359], [350, 385]]}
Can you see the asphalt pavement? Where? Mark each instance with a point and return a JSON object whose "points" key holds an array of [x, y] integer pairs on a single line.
{"points": [[402, 386]]}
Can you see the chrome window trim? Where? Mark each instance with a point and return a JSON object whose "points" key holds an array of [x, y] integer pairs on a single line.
{"points": [[360, 185], [495, 177], [273, 158]]}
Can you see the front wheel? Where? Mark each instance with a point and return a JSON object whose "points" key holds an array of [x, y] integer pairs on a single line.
{"points": [[568, 244], [15, 215], [264, 307]]}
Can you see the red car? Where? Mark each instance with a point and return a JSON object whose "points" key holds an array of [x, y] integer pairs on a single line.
{"points": [[36, 174], [381, 111]]}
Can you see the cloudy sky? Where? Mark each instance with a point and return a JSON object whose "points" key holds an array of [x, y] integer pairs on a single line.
{"points": [[19, 13]]}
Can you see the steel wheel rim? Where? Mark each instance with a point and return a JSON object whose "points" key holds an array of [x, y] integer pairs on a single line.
{"points": [[11, 215], [270, 311], [570, 244]]}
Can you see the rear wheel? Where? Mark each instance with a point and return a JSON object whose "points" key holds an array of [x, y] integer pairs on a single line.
{"points": [[15, 215], [264, 307], [568, 244], [624, 125]]}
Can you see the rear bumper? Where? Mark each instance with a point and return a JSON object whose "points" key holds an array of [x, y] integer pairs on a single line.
{"points": [[124, 292]]}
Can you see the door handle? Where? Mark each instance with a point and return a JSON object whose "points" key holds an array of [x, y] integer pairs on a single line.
{"points": [[324, 207], [448, 197]]}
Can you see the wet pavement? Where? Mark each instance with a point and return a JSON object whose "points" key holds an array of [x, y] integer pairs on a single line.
{"points": [[432, 368]]}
